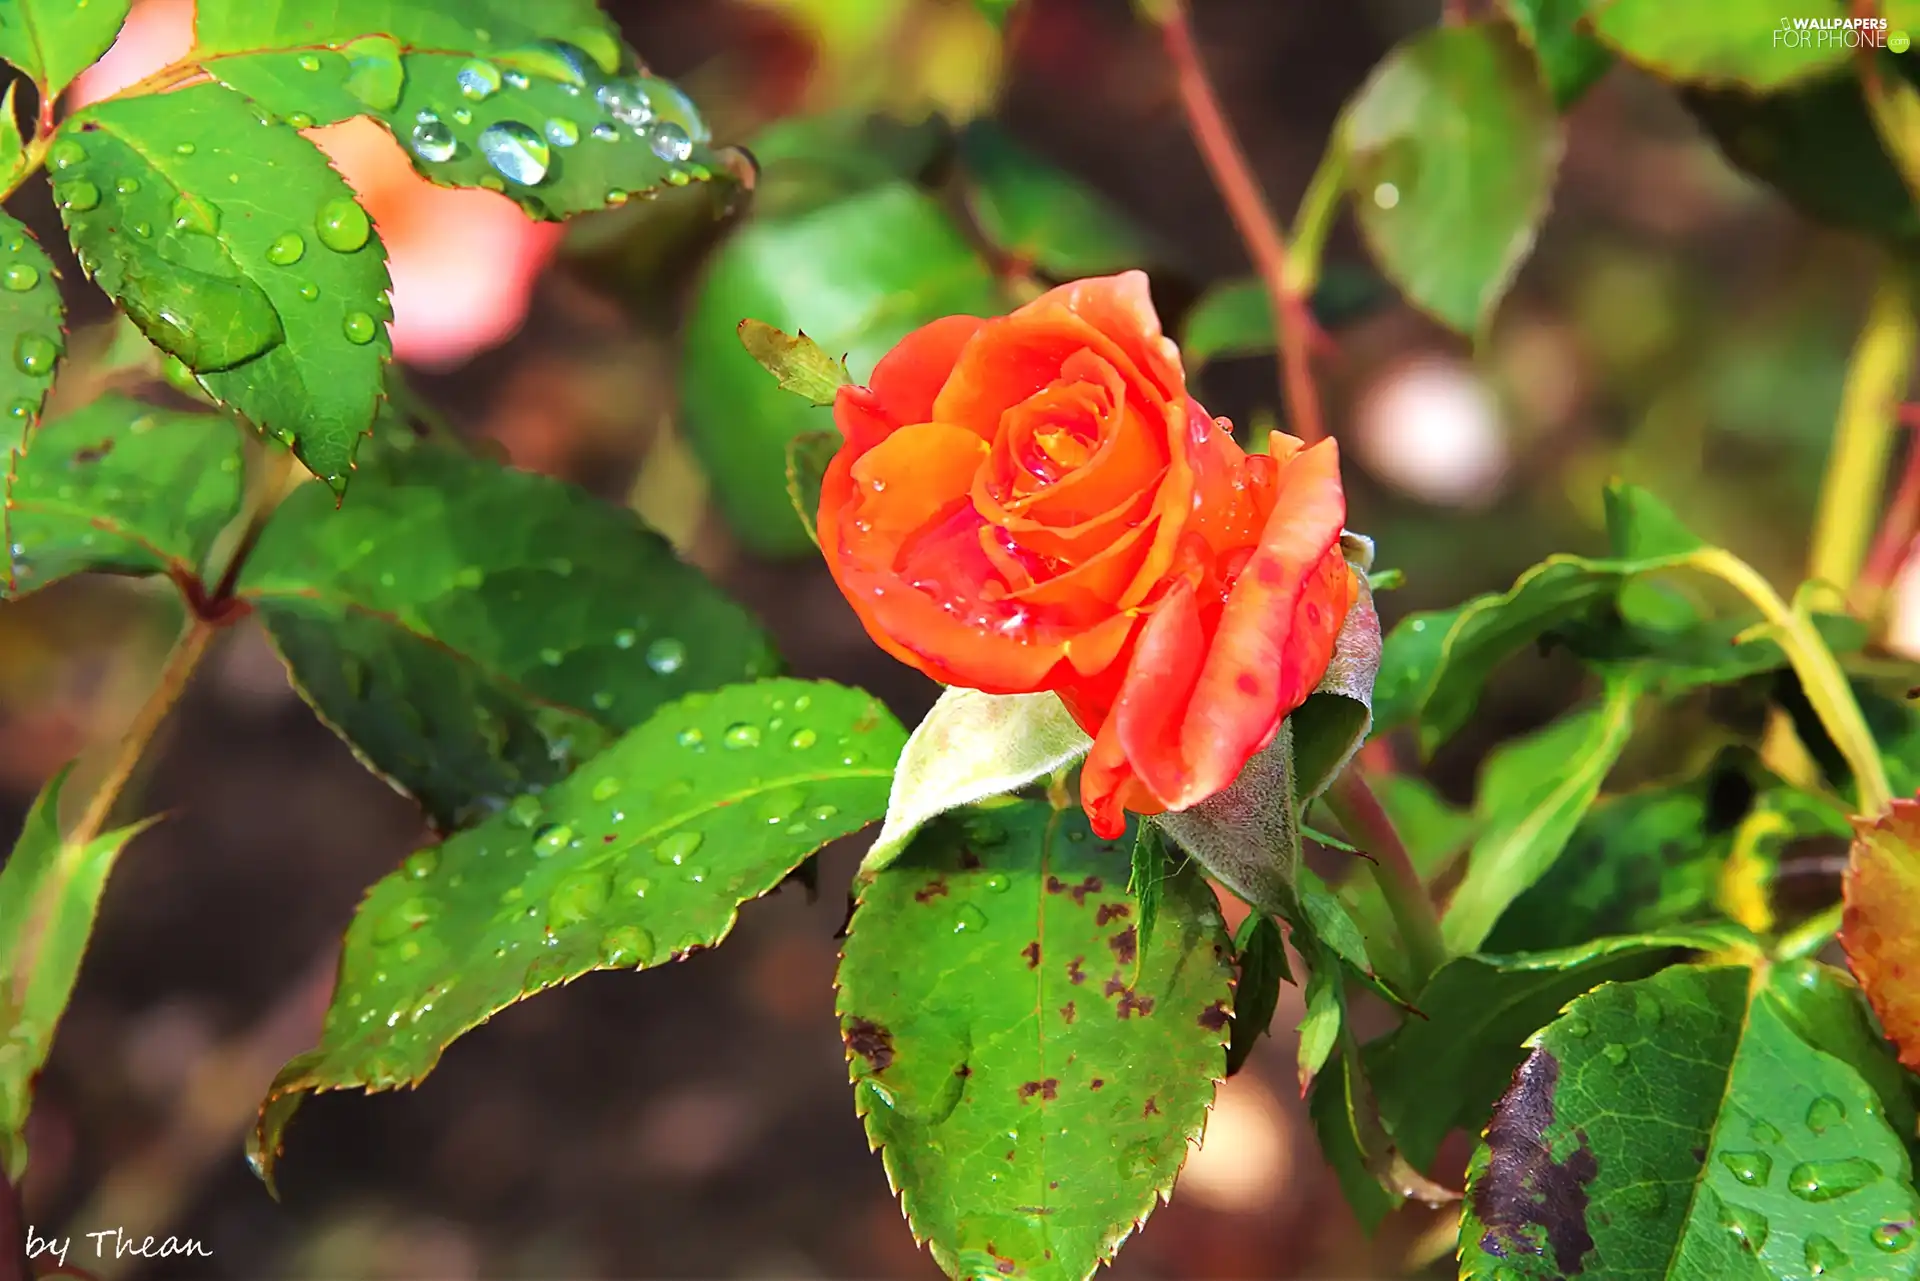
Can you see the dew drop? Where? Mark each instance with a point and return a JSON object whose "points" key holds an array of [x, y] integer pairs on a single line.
{"points": [[741, 734], [1830, 1180], [1823, 1256], [185, 149], [551, 839], [374, 72], [666, 656], [604, 132], [408, 916], [606, 789], [996, 881], [79, 196], [1748, 1227], [33, 354], [126, 185], [1764, 1131], [300, 120], [577, 898], [20, 277], [690, 737], [359, 328], [1824, 1113], [629, 945], [821, 813], [434, 142], [1614, 1052], [803, 739], [1893, 1237], [677, 848], [1751, 1168], [625, 638], [287, 249], [1575, 1026], [562, 133], [969, 919], [516, 152], [309, 63], [636, 887], [626, 102], [461, 116], [309, 291], [670, 142], [66, 153], [342, 225], [478, 80], [781, 804], [421, 863]]}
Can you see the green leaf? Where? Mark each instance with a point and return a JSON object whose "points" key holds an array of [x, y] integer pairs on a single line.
{"points": [[998, 11], [256, 267], [33, 335], [1453, 145], [1683, 1126], [1146, 878], [1435, 664], [972, 746], [539, 122], [53, 41], [493, 27], [808, 456], [120, 487], [1570, 58], [1032, 1100], [797, 363], [1262, 955], [1234, 318], [49, 892], [814, 160], [13, 148], [642, 856], [1443, 1072], [474, 631], [1434, 832], [857, 275], [1733, 42], [1326, 1010], [1042, 215], [1533, 793]]}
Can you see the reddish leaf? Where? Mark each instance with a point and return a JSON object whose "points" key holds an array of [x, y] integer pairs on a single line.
{"points": [[1881, 930]]}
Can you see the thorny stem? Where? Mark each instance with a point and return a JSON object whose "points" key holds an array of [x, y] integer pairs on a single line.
{"points": [[1251, 214], [1359, 811]]}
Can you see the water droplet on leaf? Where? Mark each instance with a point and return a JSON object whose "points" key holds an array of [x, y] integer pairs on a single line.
{"points": [[562, 133], [968, 919], [434, 142], [1751, 1168], [33, 354], [1824, 1113], [20, 277], [666, 656], [1830, 1180], [79, 195], [421, 863], [627, 946], [287, 249], [1748, 1227], [374, 71], [478, 80], [606, 789], [551, 839], [65, 153], [1893, 1237], [342, 225], [741, 734], [690, 737], [577, 898], [516, 152], [1823, 1256]]}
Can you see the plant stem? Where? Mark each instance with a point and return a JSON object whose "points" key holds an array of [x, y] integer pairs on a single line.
{"points": [[174, 674], [1360, 812], [1251, 214], [1819, 672], [1863, 437], [1898, 528], [1314, 219], [1811, 934]]}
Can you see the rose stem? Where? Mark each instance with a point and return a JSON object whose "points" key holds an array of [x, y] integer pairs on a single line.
{"points": [[1359, 812], [1898, 528], [1251, 214]]}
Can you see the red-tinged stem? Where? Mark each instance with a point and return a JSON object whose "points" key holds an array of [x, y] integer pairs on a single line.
{"points": [[1893, 544], [1369, 827], [1252, 217]]}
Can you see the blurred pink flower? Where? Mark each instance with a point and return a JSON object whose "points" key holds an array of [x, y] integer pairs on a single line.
{"points": [[463, 261]]}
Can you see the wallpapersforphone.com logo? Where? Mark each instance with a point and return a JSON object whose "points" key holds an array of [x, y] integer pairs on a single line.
{"points": [[1838, 33]]}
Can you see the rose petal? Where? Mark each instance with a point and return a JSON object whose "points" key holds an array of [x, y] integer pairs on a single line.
{"points": [[904, 383]]}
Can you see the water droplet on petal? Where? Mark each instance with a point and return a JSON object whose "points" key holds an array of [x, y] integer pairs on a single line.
{"points": [[516, 152], [666, 655], [342, 225], [434, 142], [287, 249], [478, 80], [741, 734], [1751, 1168], [670, 142], [359, 328], [677, 848], [20, 277]]}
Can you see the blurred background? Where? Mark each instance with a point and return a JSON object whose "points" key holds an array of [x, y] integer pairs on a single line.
{"points": [[1676, 325]]}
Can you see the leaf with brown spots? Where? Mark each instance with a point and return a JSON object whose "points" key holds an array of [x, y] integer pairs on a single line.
{"points": [[1881, 930], [1082, 1096]]}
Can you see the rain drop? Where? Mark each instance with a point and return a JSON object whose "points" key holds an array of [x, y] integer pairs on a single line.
{"points": [[625, 638], [670, 142], [666, 656], [1614, 1052], [1575, 1026], [1823, 1256], [1765, 1132], [606, 133], [126, 185], [309, 290], [192, 214], [434, 142], [1748, 1227], [578, 898], [677, 848], [33, 354], [461, 116], [741, 734], [300, 120], [781, 804], [803, 739], [969, 919], [309, 63], [562, 133], [690, 737], [20, 277], [421, 863], [1751, 1168], [516, 80], [342, 225], [1824, 1113], [821, 813], [287, 249], [66, 153], [551, 839], [374, 73], [1830, 1180], [402, 920], [79, 196], [478, 80], [359, 328], [626, 102], [996, 881], [606, 789], [1892, 1237], [626, 946], [515, 151]]}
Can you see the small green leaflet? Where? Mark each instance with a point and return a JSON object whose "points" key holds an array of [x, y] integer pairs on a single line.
{"points": [[641, 856], [796, 362], [120, 487], [808, 456], [1031, 1098], [234, 245], [53, 41], [49, 893], [1147, 877], [1570, 59], [33, 334], [1262, 955], [1702, 1123], [1729, 43], [475, 631]]}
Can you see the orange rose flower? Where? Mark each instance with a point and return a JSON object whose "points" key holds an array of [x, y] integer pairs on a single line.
{"points": [[1036, 503]]}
